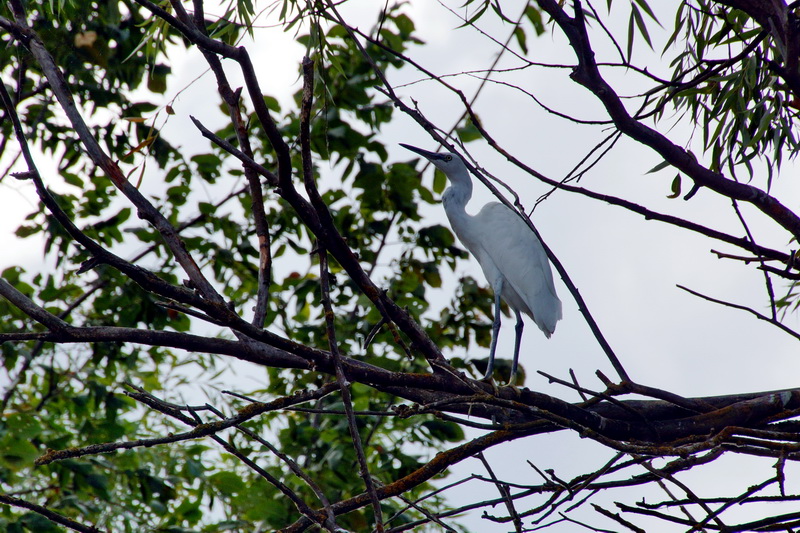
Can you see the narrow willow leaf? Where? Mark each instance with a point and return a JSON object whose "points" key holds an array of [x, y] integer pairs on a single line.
{"points": [[637, 16], [660, 166]]}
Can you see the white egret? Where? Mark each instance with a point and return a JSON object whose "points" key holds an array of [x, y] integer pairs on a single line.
{"points": [[511, 256]]}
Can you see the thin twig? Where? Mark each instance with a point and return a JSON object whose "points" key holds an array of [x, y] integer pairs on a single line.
{"points": [[686, 490], [767, 279], [344, 387], [330, 523], [775, 322], [233, 101], [199, 431], [49, 514], [330, 328], [618, 519], [504, 492]]}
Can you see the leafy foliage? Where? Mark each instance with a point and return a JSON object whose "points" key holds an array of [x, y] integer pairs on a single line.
{"points": [[99, 431], [70, 395], [723, 80]]}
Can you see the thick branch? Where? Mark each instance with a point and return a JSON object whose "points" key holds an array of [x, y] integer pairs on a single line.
{"points": [[653, 422], [782, 24], [588, 74]]}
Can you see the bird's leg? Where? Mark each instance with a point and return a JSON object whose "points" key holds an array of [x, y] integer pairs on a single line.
{"points": [[495, 331], [517, 341]]}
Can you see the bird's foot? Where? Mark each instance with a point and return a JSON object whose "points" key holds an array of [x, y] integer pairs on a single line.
{"points": [[511, 385], [489, 380]]}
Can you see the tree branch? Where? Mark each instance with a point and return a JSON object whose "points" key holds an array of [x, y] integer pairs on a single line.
{"points": [[326, 233], [49, 514], [146, 210], [588, 75]]}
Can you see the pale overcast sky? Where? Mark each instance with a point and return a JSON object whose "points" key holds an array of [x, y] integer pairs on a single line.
{"points": [[625, 267]]}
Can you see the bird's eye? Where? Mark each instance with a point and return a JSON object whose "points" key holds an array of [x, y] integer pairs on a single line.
{"points": [[448, 158]]}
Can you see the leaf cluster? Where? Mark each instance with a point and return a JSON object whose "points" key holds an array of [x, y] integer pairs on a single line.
{"points": [[726, 80], [68, 396]]}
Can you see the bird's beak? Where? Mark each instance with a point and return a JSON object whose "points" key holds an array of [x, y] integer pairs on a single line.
{"points": [[430, 156]]}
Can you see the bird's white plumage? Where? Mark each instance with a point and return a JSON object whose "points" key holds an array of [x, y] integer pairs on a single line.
{"points": [[511, 256], [515, 254]]}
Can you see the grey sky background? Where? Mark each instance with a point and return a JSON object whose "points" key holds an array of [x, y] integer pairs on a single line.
{"points": [[625, 267]]}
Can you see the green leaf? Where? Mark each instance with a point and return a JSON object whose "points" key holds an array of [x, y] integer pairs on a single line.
{"points": [[439, 181], [478, 14], [207, 208], [272, 103], [469, 132], [629, 50], [17, 454], [676, 187], [404, 24], [442, 430], [534, 15], [646, 8], [38, 523], [519, 33], [640, 24], [660, 166]]}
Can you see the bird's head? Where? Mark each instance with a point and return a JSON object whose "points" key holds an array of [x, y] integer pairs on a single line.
{"points": [[448, 163]]}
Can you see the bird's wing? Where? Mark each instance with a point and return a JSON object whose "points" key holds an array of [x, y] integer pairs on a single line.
{"points": [[519, 256]]}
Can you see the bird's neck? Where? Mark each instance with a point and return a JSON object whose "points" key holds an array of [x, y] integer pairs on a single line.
{"points": [[456, 197]]}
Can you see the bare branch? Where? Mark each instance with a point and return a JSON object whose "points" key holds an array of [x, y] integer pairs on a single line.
{"points": [[200, 430], [330, 327], [774, 321], [49, 514]]}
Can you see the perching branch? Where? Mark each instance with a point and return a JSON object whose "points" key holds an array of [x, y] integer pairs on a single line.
{"points": [[655, 436]]}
